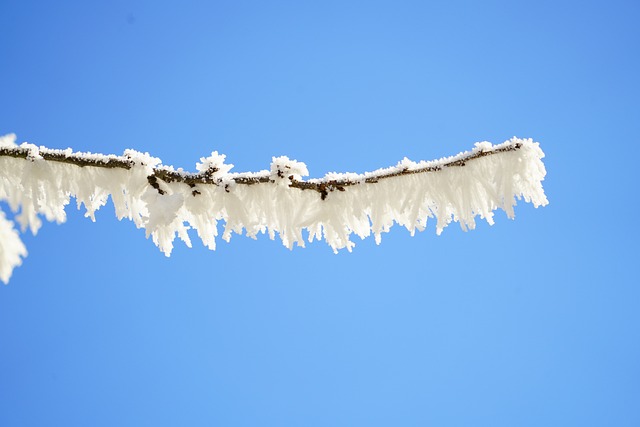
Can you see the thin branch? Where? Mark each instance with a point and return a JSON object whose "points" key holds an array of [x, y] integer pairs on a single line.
{"points": [[322, 186]]}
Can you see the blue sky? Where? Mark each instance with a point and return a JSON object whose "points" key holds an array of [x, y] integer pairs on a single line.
{"points": [[529, 322]]}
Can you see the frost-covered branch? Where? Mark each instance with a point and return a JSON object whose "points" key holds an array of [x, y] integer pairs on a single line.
{"points": [[205, 176], [37, 181]]}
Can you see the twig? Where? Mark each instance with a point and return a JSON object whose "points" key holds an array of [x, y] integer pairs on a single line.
{"points": [[322, 186]]}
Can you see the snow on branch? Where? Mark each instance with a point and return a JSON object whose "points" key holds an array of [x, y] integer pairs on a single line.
{"points": [[38, 181]]}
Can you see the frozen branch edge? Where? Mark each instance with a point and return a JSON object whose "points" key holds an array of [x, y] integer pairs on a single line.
{"points": [[38, 181], [323, 186]]}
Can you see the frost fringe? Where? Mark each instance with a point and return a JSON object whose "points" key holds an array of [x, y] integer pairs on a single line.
{"points": [[40, 181]]}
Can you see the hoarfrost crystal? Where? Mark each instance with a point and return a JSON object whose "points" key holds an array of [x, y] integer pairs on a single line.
{"points": [[39, 182]]}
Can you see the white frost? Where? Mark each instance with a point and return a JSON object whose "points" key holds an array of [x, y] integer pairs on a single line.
{"points": [[284, 170], [12, 249], [214, 164], [36, 188]]}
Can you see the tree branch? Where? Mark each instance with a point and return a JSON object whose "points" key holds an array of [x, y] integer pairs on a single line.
{"points": [[322, 186], [35, 184]]}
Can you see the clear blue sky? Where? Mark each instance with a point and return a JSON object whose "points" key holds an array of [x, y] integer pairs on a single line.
{"points": [[532, 322]]}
